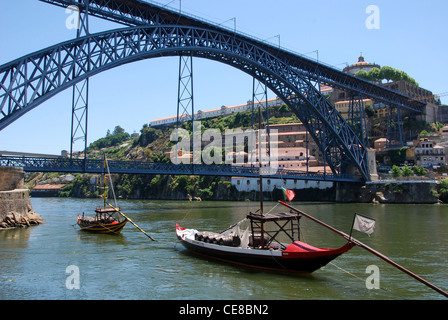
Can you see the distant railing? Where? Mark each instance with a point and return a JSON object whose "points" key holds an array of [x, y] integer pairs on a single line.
{"points": [[67, 165]]}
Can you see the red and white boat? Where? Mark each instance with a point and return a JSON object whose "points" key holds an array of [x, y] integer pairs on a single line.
{"points": [[267, 241], [256, 242]]}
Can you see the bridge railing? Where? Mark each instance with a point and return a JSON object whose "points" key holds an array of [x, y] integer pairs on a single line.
{"points": [[67, 165]]}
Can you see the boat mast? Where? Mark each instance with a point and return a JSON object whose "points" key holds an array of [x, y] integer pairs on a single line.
{"points": [[104, 182], [259, 159]]}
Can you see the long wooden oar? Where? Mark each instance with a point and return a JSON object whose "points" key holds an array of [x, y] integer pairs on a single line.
{"points": [[124, 216], [362, 245]]}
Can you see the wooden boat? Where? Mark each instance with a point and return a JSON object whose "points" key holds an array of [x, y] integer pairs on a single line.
{"points": [[107, 220], [261, 244], [103, 222], [258, 246]]}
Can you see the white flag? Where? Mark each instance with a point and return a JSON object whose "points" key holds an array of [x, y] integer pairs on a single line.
{"points": [[364, 224]]}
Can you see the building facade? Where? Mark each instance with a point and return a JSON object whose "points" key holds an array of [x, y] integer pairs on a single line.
{"points": [[428, 154], [360, 65]]}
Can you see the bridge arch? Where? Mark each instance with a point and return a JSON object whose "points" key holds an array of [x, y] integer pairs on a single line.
{"points": [[27, 82]]}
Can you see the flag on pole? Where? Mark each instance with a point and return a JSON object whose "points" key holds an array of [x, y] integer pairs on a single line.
{"points": [[288, 194], [364, 224]]}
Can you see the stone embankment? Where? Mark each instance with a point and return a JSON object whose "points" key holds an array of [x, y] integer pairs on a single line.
{"points": [[15, 204], [400, 192]]}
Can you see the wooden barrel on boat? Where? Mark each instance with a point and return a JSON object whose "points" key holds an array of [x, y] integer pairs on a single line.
{"points": [[255, 240]]}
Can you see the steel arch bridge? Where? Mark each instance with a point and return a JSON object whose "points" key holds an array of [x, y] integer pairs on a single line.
{"points": [[27, 82], [33, 79]]}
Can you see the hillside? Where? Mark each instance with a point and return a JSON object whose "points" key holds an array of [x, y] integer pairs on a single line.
{"points": [[150, 145]]}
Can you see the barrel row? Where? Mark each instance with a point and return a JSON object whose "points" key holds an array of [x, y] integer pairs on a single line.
{"points": [[217, 238]]}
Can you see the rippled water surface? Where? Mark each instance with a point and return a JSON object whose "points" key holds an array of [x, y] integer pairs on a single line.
{"points": [[34, 261]]}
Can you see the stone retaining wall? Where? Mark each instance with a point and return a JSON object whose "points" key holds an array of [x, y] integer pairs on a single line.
{"points": [[15, 203]]}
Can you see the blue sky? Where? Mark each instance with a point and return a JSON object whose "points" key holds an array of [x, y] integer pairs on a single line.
{"points": [[412, 37]]}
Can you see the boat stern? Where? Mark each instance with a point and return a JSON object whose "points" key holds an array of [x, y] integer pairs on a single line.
{"points": [[184, 233]]}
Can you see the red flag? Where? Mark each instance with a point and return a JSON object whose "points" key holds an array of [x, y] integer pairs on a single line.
{"points": [[288, 194]]}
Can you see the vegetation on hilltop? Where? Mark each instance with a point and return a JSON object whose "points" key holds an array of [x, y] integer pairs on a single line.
{"points": [[118, 136], [385, 73]]}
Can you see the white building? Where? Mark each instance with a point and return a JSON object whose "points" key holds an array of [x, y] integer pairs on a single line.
{"points": [[253, 184], [428, 154], [216, 112]]}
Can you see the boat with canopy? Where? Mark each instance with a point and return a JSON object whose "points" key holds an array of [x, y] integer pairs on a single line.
{"points": [[102, 222], [107, 219], [256, 242], [262, 240]]}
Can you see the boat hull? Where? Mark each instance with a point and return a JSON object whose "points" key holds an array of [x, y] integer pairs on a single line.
{"points": [[275, 260], [104, 228]]}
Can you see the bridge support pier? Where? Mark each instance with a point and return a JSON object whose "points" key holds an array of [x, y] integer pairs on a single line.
{"points": [[80, 98], [185, 96], [395, 135], [371, 158], [357, 116]]}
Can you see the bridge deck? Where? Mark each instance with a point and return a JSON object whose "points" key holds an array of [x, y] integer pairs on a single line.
{"points": [[67, 165]]}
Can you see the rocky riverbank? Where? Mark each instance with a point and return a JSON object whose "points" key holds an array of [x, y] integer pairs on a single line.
{"points": [[399, 192], [221, 189], [15, 205]]}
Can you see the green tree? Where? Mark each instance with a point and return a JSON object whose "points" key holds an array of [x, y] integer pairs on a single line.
{"points": [[423, 134], [419, 171], [375, 75], [387, 73], [407, 171], [443, 194], [396, 171], [363, 74], [114, 139], [283, 109], [147, 136], [160, 158], [118, 130]]}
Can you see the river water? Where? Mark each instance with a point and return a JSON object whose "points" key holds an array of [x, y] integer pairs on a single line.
{"points": [[46, 261]]}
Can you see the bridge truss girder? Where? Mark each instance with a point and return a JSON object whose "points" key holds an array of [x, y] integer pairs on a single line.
{"points": [[80, 96], [67, 165], [27, 82], [138, 13]]}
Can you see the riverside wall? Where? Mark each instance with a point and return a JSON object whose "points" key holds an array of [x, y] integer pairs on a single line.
{"points": [[15, 203], [389, 191], [400, 192], [410, 191]]}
